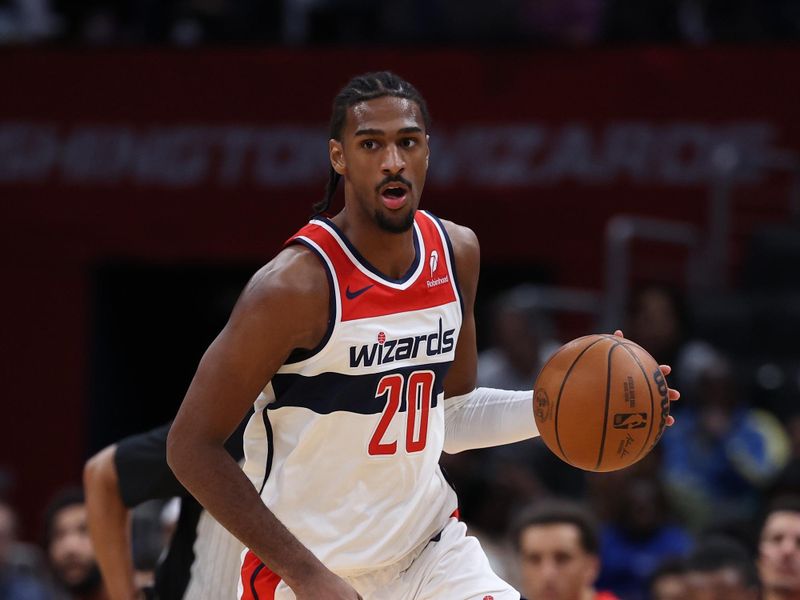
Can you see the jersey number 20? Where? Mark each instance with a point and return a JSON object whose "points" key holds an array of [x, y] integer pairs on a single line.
{"points": [[418, 390]]}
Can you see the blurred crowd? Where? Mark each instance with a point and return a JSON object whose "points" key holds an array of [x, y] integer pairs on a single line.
{"points": [[395, 22]]}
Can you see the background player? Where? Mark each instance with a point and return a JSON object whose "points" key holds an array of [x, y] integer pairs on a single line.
{"points": [[359, 391], [203, 557]]}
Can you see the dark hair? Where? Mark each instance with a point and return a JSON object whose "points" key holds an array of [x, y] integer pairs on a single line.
{"points": [[781, 503], [675, 297], [361, 89], [720, 552], [65, 498], [559, 512], [672, 566]]}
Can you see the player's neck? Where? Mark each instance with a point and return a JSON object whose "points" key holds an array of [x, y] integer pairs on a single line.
{"points": [[589, 594], [390, 253]]}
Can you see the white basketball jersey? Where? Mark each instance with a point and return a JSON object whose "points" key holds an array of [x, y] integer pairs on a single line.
{"points": [[345, 441]]}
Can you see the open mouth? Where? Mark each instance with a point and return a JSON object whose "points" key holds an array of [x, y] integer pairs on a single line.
{"points": [[394, 195], [394, 192]]}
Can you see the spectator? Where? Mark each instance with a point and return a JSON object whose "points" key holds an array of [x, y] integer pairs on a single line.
{"points": [[692, 21], [557, 544], [779, 550], [720, 568], [721, 452], [69, 548], [520, 342], [563, 22], [658, 319], [639, 537], [13, 584], [668, 581]]}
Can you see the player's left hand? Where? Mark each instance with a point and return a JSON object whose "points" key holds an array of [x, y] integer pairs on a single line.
{"points": [[673, 395]]}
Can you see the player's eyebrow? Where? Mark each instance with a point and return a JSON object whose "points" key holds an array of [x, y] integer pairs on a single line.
{"points": [[370, 131]]}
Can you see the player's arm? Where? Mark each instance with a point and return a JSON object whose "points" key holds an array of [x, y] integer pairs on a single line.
{"points": [[116, 479], [285, 306], [482, 417], [109, 525]]}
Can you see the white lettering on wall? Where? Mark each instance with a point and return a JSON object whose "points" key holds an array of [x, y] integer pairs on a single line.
{"points": [[505, 155]]}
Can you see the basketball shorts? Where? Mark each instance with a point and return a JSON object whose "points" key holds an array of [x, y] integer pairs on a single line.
{"points": [[452, 566]]}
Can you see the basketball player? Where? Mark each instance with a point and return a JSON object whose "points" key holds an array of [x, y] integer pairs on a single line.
{"points": [[779, 550], [203, 557], [358, 339]]}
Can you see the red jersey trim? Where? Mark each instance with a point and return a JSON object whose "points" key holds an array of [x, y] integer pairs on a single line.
{"points": [[363, 294]]}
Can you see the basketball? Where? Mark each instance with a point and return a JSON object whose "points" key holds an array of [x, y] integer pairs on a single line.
{"points": [[600, 403]]}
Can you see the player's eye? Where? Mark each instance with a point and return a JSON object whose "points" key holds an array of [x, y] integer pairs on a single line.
{"points": [[562, 558], [369, 144], [408, 142]]}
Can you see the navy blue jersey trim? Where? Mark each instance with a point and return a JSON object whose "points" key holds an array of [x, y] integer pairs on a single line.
{"points": [[270, 449], [366, 264], [253, 589], [300, 354], [334, 392], [452, 259]]}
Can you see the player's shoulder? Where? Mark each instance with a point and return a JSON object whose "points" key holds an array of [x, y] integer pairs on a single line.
{"points": [[294, 275], [465, 243]]}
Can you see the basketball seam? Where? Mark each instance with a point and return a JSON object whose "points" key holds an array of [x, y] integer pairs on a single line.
{"points": [[608, 396], [652, 401], [561, 391]]}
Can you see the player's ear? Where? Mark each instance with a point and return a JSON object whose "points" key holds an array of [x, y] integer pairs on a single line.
{"points": [[336, 154], [427, 150], [592, 571]]}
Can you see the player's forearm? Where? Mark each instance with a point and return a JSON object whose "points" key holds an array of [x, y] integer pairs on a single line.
{"points": [[109, 526], [488, 417], [218, 483]]}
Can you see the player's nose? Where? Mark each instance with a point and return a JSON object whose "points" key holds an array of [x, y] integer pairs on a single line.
{"points": [[392, 160]]}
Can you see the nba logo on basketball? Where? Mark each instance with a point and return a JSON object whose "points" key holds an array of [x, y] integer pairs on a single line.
{"points": [[488, 598], [434, 262]]}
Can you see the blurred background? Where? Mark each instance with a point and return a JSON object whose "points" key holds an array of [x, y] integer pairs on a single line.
{"points": [[624, 163]]}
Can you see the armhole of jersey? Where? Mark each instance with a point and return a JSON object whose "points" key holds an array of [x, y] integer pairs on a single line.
{"points": [[270, 449], [300, 354], [451, 255]]}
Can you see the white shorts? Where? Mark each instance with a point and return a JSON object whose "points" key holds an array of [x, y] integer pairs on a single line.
{"points": [[452, 566]]}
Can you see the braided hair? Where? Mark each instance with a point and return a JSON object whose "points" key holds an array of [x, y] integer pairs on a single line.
{"points": [[361, 89]]}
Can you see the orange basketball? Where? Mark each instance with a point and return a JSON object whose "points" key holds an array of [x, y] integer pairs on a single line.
{"points": [[600, 403]]}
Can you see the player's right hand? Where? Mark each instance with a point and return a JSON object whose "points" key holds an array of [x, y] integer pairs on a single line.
{"points": [[326, 586]]}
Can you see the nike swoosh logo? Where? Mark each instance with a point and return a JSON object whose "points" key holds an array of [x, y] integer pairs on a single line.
{"points": [[351, 295]]}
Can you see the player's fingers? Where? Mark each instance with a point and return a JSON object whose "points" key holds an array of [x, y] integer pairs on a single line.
{"points": [[670, 421], [619, 333], [673, 395], [665, 369]]}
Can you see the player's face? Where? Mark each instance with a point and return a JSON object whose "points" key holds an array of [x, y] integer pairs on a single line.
{"points": [[779, 552], [554, 564], [71, 552], [383, 157]]}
